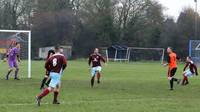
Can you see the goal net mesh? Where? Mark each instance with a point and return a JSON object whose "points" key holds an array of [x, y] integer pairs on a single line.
{"points": [[146, 54]]}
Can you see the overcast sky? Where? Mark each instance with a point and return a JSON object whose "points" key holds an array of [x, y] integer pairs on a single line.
{"points": [[174, 7]]}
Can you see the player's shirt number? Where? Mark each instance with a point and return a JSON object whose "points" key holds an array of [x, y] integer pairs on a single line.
{"points": [[55, 62]]}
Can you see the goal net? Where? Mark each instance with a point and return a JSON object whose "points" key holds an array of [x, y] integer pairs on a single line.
{"points": [[115, 53], [146, 54], [8, 38], [194, 50], [131, 54]]}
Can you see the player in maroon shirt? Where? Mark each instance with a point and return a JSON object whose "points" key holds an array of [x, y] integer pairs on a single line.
{"points": [[95, 59], [189, 72], [50, 53], [55, 65]]}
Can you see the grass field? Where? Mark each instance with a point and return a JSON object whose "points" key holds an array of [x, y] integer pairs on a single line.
{"points": [[133, 87]]}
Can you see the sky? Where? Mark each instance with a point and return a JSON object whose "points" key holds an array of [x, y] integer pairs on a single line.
{"points": [[174, 7]]}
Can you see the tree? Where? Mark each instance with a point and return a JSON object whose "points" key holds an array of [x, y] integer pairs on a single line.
{"points": [[185, 27], [144, 27], [53, 23], [97, 26], [15, 14], [169, 33]]}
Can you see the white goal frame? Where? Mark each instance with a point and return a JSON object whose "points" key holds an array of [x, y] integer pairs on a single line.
{"points": [[115, 57], [143, 48], [29, 46], [127, 59]]}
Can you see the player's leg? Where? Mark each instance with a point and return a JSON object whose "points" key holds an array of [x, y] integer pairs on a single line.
{"points": [[44, 93], [11, 68], [98, 77], [43, 81], [93, 73], [16, 70], [51, 87], [173, 74], [171, 78], [92, 81], [184, 79], [9, 71], [57, 89], [56, 93], [98, 73], [171, 84], [187, 74], [48, 82]]}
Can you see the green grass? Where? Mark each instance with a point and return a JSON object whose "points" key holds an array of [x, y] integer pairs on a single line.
{"points": [[133, 87]]}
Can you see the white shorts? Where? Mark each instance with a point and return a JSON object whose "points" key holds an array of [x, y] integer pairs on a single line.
{"points": [[94, 70], [55, 79], [188, 73]]}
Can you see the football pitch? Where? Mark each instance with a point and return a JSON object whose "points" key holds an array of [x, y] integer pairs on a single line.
{"points": [[125, 87]]}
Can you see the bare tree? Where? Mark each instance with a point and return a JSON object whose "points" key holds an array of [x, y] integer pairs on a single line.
{"points": [[15, 13]]}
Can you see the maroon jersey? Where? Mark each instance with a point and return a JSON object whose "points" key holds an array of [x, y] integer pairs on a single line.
{"points": [[56, 63], [192, 67], [96, 60]]}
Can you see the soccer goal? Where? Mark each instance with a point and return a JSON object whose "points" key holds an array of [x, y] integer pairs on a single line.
{"points": [[131, 54], [194, 50], [146, 54], [7, 40], [115, 53]]}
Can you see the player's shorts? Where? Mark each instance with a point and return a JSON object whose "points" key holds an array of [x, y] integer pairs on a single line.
{"points": [[171, 73], [55, 79], [188, 73], [12, 64], [94, 70]]}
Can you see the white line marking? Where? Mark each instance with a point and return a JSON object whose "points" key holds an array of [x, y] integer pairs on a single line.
{"points": [[90, 101]]}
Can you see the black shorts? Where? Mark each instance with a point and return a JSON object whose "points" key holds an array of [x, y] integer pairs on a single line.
{"points": [[172, 72]]}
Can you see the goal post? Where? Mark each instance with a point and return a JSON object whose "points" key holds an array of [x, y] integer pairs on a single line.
{"points": [[22, 36]]}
